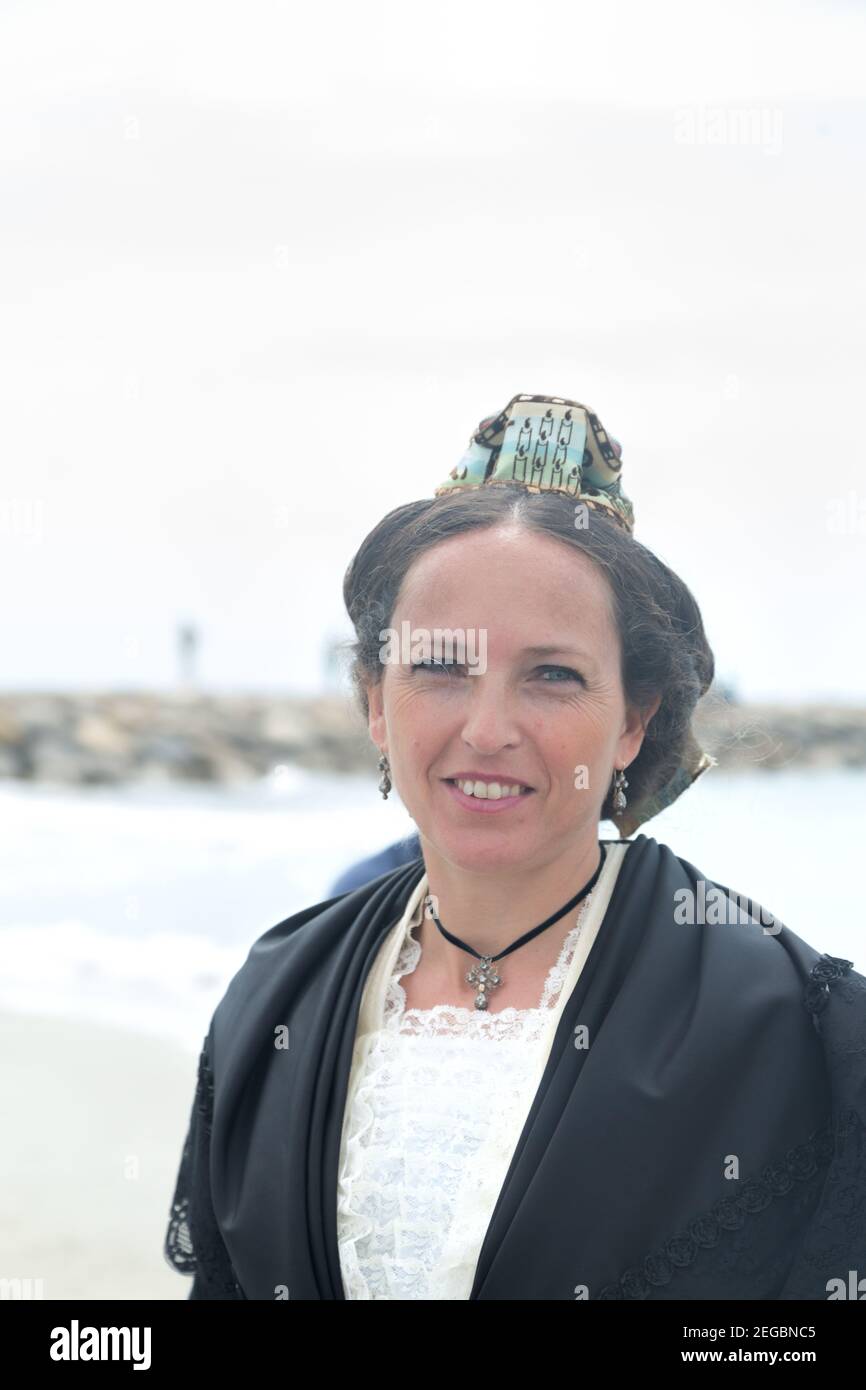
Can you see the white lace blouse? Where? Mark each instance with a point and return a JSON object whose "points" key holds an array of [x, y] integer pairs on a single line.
{"points": [[436, 1103]]}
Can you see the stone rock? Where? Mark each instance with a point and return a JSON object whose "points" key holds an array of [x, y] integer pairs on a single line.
{"points": [[99, 734]]}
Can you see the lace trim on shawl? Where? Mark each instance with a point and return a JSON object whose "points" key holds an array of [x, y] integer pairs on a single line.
{"points": [[193, 1242], [798, 1166]]}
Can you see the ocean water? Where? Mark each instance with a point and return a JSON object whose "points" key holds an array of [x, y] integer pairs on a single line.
{"points": [[136, 906]]}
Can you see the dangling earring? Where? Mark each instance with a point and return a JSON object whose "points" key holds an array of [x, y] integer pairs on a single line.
{"points": [[619, 783], [385, 768]]}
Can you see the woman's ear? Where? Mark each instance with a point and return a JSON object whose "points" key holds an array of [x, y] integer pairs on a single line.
{"points": [[634, 731], [649, 711], [376, 715]]}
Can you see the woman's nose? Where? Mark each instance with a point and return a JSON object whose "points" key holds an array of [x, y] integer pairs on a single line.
{"points": [[489, 719]]}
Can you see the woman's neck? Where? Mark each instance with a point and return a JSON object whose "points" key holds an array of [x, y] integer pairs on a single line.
{"points": [[489, 911]]}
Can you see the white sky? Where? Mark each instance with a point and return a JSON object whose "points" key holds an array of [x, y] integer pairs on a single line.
{"points": [[264, 267]]}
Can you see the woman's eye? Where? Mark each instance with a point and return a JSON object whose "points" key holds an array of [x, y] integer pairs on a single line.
{"points": [[563, 675], [565, 671], [447, 666]]}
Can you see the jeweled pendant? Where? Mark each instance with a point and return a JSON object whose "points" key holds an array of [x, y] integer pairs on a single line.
{"points": [[485, 977]]}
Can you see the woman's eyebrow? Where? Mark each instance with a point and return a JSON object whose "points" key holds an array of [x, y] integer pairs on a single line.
{"points": [[552, 651]]}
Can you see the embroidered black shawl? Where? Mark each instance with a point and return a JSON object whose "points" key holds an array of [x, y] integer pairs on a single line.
{"points": [[706, 1044]]}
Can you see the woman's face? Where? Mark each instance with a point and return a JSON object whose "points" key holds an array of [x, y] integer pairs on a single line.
{"points": [[555, 719]]}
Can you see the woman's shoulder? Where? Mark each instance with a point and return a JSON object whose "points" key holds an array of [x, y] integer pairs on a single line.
{"points": [[316, 946], [735, 933]]}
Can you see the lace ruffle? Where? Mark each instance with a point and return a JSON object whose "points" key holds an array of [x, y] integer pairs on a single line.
{"points": [[441, 1097], [453, 1019], [431, 1129]]}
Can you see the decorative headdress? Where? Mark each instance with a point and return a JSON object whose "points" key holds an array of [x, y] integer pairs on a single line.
{"points": [[549, 444], [546, 444]]}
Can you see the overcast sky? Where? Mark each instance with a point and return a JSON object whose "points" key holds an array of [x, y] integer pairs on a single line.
{"points": [[266, 266]]}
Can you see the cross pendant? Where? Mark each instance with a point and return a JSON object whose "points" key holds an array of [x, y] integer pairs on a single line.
{"points": [[484, 975]]}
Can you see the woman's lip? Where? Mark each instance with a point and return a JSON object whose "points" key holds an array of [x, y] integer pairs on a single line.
{"points": [[481, 804], [504, 780]]}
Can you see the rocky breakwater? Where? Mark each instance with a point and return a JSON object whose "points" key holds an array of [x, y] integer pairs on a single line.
{"points": [[769, 737], [133, 736], [115, 738]]}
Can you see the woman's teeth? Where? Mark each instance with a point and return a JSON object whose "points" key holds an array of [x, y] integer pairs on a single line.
{"points": [[491, 791]]}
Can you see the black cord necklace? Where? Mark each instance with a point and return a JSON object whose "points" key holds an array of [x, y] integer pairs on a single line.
{"points": [[483, 975]]}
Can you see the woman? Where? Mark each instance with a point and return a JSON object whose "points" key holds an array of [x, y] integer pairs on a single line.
{"points": [[530, 1064]]}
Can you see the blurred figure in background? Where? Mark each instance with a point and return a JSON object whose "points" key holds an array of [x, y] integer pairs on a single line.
{"points": [[364, 870]]}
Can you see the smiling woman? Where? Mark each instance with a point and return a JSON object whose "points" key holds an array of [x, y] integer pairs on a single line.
{"points": [[610, 1103], [520, 721]]}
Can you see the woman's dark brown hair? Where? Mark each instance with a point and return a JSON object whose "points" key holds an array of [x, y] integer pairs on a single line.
{"points": [[663, 647]]}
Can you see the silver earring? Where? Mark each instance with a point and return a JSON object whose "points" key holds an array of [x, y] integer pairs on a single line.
{"points": [[385, 768], [619, 783]]}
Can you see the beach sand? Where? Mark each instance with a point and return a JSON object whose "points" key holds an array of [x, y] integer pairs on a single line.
{"points": [[94, 1123]]}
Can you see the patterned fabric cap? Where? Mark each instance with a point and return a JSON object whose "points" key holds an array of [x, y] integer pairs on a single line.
{"points": [[546, 444], [549, 444]]}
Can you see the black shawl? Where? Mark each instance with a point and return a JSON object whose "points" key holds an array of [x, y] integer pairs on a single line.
{"points": [[706, 1043]]}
